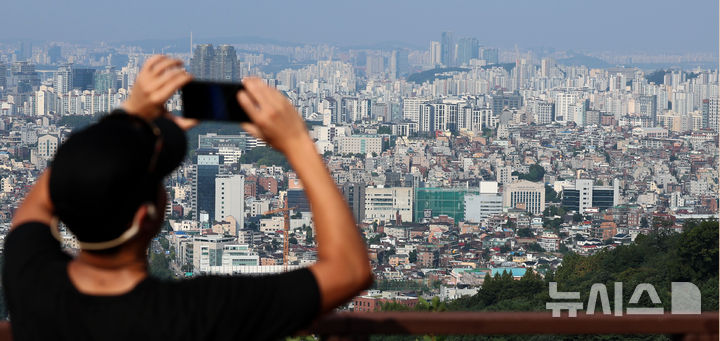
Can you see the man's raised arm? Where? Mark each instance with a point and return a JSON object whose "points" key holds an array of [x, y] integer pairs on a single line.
{"points": [[343, 267], [36, 206]]}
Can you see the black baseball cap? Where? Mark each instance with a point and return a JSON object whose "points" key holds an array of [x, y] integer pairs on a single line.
{"points": [[102, 174]]}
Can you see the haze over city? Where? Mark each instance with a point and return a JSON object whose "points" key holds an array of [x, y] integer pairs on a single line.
{"points": [[620, 26]]}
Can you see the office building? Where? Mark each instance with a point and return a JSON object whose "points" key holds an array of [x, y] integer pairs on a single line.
{"points": [[47, 146], [354, 194], [360, 144], [387, 204], [432, 202], [484, 204], [25, 78], [230, 199], [525, 195], [584, 195], [297, 200], [83, 78], [207, 169], [220, 254], [505, 100]]}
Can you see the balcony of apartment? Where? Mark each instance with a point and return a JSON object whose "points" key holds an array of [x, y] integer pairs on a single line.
{"points": [[360, 326]]}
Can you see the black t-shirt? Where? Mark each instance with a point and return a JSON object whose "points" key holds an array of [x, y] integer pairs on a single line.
{"points": [[44, 304]]}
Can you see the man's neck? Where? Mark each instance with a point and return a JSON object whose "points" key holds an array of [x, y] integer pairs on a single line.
{"points": [[107, 275]]}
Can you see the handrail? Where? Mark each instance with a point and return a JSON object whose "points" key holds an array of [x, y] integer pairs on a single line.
{"points": [[357, 326]]}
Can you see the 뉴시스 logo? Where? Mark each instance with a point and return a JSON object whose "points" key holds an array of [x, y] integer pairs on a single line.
{"points": [[685, 299]]}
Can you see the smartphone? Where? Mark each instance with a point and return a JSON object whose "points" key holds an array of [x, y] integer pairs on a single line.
{"points": [[217, 101]]}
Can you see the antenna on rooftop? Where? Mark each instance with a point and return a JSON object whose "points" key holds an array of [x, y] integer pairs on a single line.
{"points": [[190, 43]]}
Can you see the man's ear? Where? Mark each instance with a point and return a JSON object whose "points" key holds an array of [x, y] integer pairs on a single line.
{"points": [[151, 211], [146, 212]]}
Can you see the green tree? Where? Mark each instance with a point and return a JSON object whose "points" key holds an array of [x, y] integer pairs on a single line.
{"points": [[384, 130], [535, 173], [535, 247], [524, 233], [265, 156], [551, 195], [159, 266]]}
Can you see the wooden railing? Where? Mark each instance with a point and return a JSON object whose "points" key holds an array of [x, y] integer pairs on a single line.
{"points": [[359, 326]]}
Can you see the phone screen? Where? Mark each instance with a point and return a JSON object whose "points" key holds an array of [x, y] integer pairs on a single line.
{"points": [[216, 101]]}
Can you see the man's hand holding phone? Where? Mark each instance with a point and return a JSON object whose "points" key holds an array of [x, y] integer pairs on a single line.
{"points": [[272, 117], [158, 79]]}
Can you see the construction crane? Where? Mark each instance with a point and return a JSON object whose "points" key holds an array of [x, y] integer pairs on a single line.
{"points": [[286, 218]]}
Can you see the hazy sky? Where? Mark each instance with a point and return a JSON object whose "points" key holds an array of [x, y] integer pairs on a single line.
{"points": [[617, 25]]}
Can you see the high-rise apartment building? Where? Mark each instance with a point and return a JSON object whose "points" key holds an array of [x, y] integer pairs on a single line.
{"points": [[710, 113], [490, 55], [225, 64], [411, 108], [105, 79], [202, 61], [54, 54], [546, 66], [467, 49], [435, 53], [374, 65], [63, 79], [25, 52], [447, 47], [399, 65], [3, 75], [564, 106], [647, 107]]}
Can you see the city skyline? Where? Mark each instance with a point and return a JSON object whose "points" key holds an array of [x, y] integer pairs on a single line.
{"points": [[621, 27]]}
